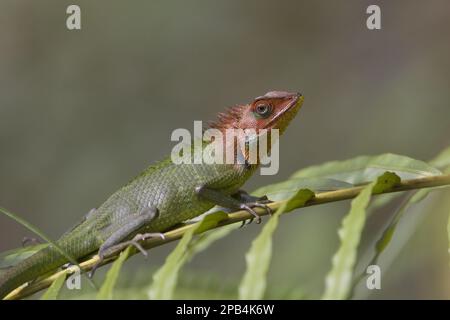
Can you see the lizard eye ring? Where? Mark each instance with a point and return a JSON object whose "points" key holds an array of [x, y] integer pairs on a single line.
{"points": [[263, 110]]}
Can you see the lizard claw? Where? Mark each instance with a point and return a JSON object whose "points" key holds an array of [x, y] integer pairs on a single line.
{"points": [[146, 236], [138, 246], [30, 241], [141, 237], [246, 222], [94, 268], [133, 242], [262, 205], [249, 208]]}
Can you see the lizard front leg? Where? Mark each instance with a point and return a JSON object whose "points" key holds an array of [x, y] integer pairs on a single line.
{"points": [[239, 201], [244, 196]]}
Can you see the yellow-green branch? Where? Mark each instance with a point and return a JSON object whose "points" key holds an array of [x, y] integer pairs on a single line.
{"points": [[235, 217]]}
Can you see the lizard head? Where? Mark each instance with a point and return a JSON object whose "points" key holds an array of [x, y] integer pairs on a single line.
{"points": [[274, 110]]}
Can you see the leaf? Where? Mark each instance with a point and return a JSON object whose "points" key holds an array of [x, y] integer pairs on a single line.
{"points": [[210, 221], [12, 257], [442, 160], [383, 200], [366, 168], [386, 237], [288, 188], [253, 283], [336, 175], [107, 289], [38, 232], [339, 279], [388, 233], [344, 174], [165, 279], [53, 292], [206, 239], [34, 229], [448, 232], [298, 200]]}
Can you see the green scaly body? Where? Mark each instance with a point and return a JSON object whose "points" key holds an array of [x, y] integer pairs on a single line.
{"points": [[164, 195], [169, 187]]}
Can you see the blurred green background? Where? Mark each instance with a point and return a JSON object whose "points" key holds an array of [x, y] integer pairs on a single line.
{"points": [[81, 112]]}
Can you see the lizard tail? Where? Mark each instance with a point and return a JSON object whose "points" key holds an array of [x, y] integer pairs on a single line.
{"points": [[38, 264]]}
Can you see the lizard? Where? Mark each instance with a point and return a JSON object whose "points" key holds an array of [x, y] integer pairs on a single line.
{"points": [[164, 195]]}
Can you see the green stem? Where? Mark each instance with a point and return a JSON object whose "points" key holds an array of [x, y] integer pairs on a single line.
{"points": [[235, 217]]}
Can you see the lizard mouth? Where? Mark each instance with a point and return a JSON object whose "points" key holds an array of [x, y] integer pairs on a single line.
{"points": [[286, 114]]}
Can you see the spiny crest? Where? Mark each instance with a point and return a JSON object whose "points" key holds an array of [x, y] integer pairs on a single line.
{"points": [[227, 119]]}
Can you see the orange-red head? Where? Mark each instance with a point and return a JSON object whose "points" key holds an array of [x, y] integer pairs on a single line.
{"points": [[274, 110]]}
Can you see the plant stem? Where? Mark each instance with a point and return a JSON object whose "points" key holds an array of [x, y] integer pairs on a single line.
{"points": [[239, 216]]}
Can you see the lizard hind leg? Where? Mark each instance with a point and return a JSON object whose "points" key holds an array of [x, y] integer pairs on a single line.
{"points": [[129, 227]]}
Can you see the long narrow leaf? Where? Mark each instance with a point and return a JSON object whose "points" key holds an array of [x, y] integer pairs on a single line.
{"points": [[253, 284], [339, 279], [448, 232], [107, 289], [442, 161], [53, 292], [41, 234], [12, 257], [335, 175], [387, 234], [288, 188], [207, 239], [366, 168], [165, 278]]}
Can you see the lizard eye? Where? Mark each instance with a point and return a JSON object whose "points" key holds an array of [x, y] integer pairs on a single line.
{"points": [[263, 110]]}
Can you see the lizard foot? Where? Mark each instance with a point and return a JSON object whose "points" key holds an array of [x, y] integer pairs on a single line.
{"points": [[133, 242], [141, 237], [30, 241], [94, 268], [249, 208], [241, 200]]}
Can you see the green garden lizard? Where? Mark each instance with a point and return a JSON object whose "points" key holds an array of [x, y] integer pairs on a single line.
{"points": [[165, 194]]}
